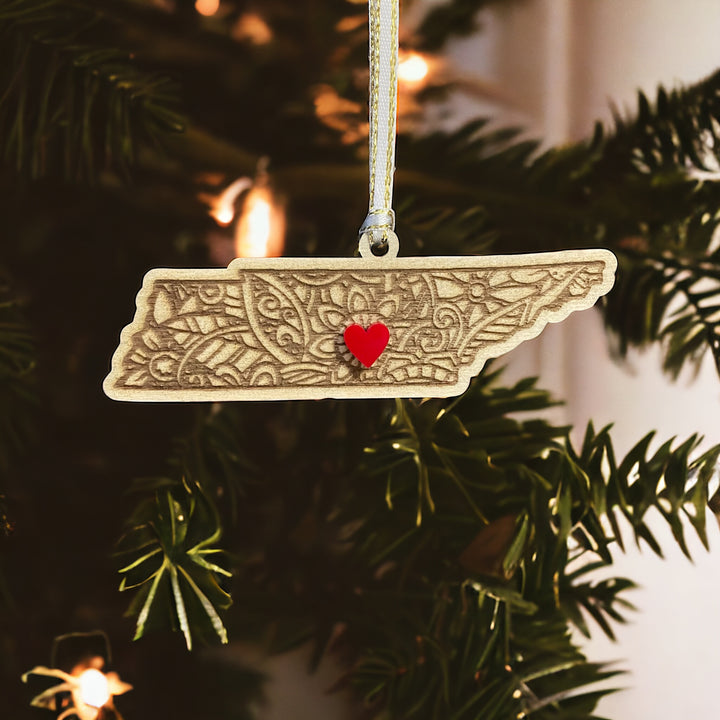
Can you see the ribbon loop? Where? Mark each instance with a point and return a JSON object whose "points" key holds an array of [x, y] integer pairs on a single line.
{"points": [[384, 16]]}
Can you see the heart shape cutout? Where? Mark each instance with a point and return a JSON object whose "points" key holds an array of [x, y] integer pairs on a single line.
{"points": [[367, 345]]}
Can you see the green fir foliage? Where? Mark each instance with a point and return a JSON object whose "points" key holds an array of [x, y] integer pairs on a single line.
{"points": [[174, 560], [513, 524], [17, 381], [454, 18], [70, 107]]}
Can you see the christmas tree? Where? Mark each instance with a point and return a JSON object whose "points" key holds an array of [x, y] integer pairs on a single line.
{"points": [[441, 552]]}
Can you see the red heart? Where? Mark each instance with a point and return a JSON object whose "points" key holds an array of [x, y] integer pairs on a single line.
{"points": [[367, 345]]}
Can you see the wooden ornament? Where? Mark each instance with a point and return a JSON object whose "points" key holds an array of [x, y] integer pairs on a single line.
{"points": [[311, 328]]}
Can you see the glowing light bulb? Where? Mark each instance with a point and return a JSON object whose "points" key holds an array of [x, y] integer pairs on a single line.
{"points": [[94, 689], [261, 229], [224, 215], [258, 223], [207, 7], [223, 206], [413, 68]]}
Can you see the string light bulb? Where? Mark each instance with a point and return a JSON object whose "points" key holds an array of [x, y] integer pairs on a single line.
{"points": [[260, 232], [94, 689], [260, 227], [413, 68], [90, 690], [222, 207], [207, 7]]}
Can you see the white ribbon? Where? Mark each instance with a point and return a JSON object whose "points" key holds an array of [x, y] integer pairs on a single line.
{"points": [[384, 16]]}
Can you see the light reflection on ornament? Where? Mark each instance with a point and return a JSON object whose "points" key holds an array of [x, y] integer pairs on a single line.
{"points": [[413, 68], [207, 7]]}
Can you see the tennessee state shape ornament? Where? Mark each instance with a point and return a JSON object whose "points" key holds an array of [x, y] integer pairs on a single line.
{"points": [[285, 328]]}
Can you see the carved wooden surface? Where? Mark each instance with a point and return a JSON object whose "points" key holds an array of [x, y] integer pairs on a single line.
{"points": [[273, 329]]}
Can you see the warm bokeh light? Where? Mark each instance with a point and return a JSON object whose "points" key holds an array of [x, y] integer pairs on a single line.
{"points": [[224, 215], [82, 692], [413, 68], [222, 207], [339, 113], [207, 7], [251, 28], [260, 231], [94, 690]]}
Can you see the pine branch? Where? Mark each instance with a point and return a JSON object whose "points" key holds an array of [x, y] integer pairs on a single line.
{"points": [[212, 456], [69, 108], [460, 463], [427, 620], [668, 481], [668, 158], [17, 380], [477, 651], [602, 601], [681, 303], [428, 444], [18, 402], [491, 642], [677, 137], [452, 18], [173, 560]]}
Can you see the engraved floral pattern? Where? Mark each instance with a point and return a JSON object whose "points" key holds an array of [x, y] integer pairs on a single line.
{"points": [[259, 328]]}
